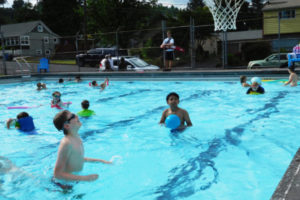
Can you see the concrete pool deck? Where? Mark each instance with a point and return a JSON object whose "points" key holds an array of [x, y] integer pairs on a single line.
{"points": [[289, 186]]}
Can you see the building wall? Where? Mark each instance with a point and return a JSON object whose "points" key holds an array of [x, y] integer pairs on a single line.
{"points": [[290, 25], [38, 46]]}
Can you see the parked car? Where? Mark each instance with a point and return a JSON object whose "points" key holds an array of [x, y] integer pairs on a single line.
{"points": [[270, 61], [94, 56], [133, 64]]}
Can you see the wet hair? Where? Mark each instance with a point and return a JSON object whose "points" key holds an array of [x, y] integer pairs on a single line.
{"points": [[39, 84], [56, 92], [85, 104], [292, 69], [94, 83], [61, 80], [22, 115], [172, 94], [243, 79], [60, 120]]}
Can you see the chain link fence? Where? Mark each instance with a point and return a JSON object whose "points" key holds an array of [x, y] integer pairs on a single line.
{"points": [[198, 45]]}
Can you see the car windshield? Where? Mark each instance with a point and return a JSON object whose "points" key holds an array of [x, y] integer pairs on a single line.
{"points": [[138, 62]]}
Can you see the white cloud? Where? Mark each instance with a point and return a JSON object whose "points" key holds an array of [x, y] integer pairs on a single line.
{"points": [[10, 2]]}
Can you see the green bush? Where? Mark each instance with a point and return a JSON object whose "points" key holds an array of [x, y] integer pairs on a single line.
{"points": [[256, 51], [235, 60]]}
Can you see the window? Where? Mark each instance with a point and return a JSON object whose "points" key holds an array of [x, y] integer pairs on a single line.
{"points": [[287, 14], [283, 57], [40, 28], [25, 40], [38, 52], [47, 52], [55, 40], [46, 40]]}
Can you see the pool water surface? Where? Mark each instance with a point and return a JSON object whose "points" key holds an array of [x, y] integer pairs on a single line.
{"points": [[238, 147]]}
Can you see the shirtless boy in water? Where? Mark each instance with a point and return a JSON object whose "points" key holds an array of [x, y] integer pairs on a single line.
{"points": [[293, 78], [70, 156], [173, 101]]}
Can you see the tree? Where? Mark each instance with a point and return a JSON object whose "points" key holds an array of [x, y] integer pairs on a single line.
{"points": [[122, 15], [193, 4], [23, 12], [61, 16], [2, 2]]}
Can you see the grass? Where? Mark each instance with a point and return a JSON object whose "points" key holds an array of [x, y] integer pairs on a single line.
{"points": [[63, 62]]}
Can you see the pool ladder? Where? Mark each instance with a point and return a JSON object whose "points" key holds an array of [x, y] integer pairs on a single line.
{"points": [[24, 68]]}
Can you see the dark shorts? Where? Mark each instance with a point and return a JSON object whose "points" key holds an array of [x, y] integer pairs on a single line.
{"points": [[292, 67], [169, 55], [62, 185]]}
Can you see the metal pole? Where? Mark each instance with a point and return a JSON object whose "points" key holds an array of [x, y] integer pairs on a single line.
{"points": [[163, 24], [117, 43], [279, 39], [76, 45], [225, 48], [84, 26], [3, 54], [192, 42]]}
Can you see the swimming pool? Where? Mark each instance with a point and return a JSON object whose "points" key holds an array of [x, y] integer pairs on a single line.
{"points": [[238, 148]]}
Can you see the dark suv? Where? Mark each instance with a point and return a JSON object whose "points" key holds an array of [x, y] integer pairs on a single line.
{"points": [[94, 56]]}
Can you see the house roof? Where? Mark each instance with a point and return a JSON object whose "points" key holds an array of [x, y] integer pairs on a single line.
{"points": [[13, 30], [280, 4]]}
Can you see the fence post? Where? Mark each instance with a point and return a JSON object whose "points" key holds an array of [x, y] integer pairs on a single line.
{"points": [[279, 38], [163, 28], [84, 26], [3, 53], [117, 44], [192, 41]]}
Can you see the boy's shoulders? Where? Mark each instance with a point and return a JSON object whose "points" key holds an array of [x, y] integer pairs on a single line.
{"points": [[182, 110]]}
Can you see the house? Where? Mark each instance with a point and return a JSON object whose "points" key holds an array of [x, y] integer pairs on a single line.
{"points": [[29, 38], [282, 18], [235, 40]]}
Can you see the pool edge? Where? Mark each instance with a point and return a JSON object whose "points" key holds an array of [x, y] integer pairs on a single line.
{"points": [[289, 185]]}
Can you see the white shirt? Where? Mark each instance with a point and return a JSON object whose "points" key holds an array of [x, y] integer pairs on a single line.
{"points": [[169, 41]]}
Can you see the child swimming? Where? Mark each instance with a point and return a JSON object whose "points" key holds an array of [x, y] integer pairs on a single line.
{"points": [[173, 101]]}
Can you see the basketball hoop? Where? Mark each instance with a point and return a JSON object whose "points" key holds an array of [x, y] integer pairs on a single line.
{"points": [[224, 13]]}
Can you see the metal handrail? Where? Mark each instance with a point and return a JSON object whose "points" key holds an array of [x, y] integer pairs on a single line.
{"points": [[20, 61]]}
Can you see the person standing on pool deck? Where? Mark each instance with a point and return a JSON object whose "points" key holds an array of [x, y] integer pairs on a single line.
{"points": [[173, 101], [70, 156], [167, 45]]}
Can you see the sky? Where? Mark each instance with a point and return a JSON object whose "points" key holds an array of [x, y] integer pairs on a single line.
{"points": [[176, 3]]}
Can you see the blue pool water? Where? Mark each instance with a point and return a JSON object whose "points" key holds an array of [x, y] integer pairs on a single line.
{"points": [[238, 148]]}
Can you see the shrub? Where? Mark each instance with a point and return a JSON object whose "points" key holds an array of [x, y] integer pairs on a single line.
{"points": [[256, 51]]}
